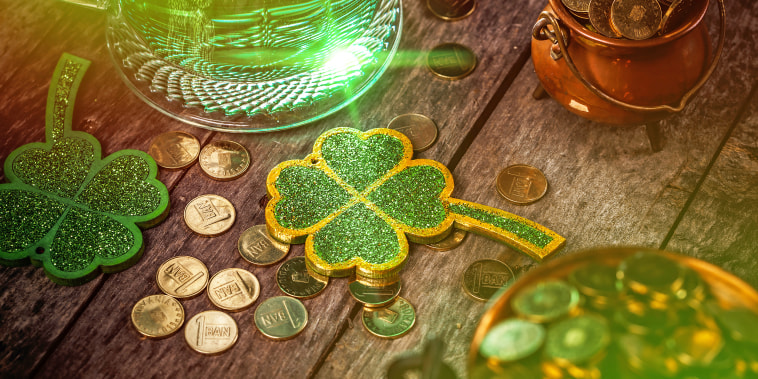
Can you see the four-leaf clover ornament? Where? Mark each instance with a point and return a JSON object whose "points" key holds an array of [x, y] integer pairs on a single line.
{"points": [[66, 208], [359, 197]]}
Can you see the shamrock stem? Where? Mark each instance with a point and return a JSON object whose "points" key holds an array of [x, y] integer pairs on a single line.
{"points": [[61, 95], [521, 234]]}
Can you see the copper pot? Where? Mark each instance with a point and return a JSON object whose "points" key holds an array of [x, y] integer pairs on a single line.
{"points": [[620, 81]]}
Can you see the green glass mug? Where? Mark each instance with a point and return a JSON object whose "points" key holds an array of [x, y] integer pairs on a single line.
{"points": [[250, 65]]}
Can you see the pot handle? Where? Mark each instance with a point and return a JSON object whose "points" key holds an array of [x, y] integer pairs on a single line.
{"points": [[560, 42]]}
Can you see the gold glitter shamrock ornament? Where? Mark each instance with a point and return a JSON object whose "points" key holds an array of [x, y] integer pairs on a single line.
{"points": [[66, 208], [359, 197]]}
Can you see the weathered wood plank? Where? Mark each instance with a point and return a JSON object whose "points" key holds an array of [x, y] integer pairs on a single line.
{"points": [[721, 224], [606, 188], [406, 87], [35, 312]]}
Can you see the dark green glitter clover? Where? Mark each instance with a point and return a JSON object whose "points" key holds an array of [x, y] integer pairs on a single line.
{"points": [[358, 199], [68, 210]]}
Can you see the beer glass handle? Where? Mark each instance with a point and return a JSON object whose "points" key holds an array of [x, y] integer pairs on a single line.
{"points": [[98, 4], [559, 50]]}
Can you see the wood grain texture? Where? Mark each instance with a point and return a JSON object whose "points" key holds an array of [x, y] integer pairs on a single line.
{"points": [[606, 187], [721, 224]]}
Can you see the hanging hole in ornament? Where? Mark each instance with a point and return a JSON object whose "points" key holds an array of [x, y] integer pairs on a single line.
{"points": [[40, 250], [314, 161]]}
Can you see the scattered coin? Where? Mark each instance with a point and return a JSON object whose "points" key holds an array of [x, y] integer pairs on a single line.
{"points": [[521, 184], [224, 160], [512, 339], [209, 215], [577, 6], [451, 61], [182, 277], [256, 246], [600, 17], [174, 150], [295, 280], [421, 130], [485, 277], [450, 242], [374, 296], [390, 322], [157, 316], [281, 317], [546, 301], [233, 289], [451, 10], [636, 19], [211, 332]]}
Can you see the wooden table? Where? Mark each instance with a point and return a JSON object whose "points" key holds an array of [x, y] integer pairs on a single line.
{"points": [[697, 196]]}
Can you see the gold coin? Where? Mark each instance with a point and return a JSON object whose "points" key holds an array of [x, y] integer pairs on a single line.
{"points": [[295, 280], [182, 277], [209, 215], [485, 277], [374, 296], [157, 316], [233, 289], [259, 248], [281, 317], [174, 150], [390, 322], [600, 17], [211, 332], [450, 242], [421, 130], [451, 10], [521, 184], [224, 160], [577, 6], [451, 61], [636, 19]]}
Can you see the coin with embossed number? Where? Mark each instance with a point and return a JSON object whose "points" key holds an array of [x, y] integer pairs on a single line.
{"points": [[485, 277], [182, 277], [450, 242], [600, 17], [390, 322], [224, 160], [421, 130], [211, 332], [374, 296], [451, 61], [281, 317], [157, 316], [451, 10], [636, 19], [209, 215], [233, 289], [258, 248], [174, 150], [294, 279], [521, 184]]}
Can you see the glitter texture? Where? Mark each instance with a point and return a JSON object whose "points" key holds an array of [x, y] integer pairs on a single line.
{"points": [[309, 196], [358, 232], [522, 230], [358, 198], [412, 197], [66, 209]]}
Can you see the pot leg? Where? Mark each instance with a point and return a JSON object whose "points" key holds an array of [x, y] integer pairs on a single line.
{"points": [[655, 136], [539, 92]]}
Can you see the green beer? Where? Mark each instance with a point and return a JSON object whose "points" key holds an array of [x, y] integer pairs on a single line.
{"points": [[247, 40]]}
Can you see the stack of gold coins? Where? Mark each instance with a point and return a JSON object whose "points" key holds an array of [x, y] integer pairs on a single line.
{"points": [[630, 19], [385, 314], [647, 317]]}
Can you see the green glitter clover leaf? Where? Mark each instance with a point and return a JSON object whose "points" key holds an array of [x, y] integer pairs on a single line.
{"points": [[68, 210], [359, 197]]}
